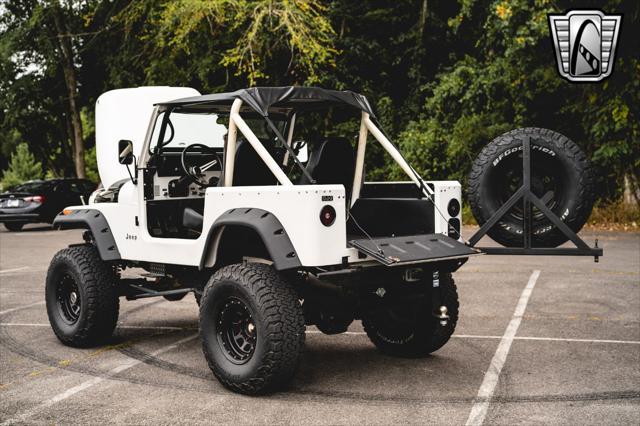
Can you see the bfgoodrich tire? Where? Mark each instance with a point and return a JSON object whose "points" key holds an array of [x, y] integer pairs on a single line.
{"points": [[81, 296], [252, 328], [410, 329], [561, 176]]}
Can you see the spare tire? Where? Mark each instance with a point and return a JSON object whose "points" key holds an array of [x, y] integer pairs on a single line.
{"points": [[561, 176]]}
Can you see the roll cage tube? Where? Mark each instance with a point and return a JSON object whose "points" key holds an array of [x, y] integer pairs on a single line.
{"points": [[292, 124], [255, 143], [237, 122], [367, 125], [163, 129], [290, 150]]}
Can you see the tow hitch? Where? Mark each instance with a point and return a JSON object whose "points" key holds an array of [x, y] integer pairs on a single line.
{"points": [[438, 310]]}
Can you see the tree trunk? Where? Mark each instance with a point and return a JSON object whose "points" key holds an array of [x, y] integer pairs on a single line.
{"points": [[631, 195], [69, 71], [423, 21]]}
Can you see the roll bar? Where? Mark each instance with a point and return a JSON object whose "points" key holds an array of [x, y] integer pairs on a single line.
{"points": [[236, 122], [366, 125]]}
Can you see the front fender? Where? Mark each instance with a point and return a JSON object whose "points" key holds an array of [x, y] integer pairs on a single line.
{"points": [[95, 221], [266, 225]]}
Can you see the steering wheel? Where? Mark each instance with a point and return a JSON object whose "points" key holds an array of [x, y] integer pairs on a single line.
{"points": [[195, 172]]}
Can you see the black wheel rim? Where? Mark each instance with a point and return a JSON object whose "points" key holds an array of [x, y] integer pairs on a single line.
{"points": [[396, 324], [68, 296], [547, 183], [237, 332]]}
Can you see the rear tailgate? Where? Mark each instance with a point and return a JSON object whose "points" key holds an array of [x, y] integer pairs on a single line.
{"points": [[413, 249]]}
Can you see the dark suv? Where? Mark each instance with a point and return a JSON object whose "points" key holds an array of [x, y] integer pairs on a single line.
{"points": [[41, 200]]}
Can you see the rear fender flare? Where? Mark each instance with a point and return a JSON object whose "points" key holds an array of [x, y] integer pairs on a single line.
{"points": [[265, 224], [95, 221]]}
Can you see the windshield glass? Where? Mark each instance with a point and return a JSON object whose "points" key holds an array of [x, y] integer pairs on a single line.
{"points": [[187, 129]]}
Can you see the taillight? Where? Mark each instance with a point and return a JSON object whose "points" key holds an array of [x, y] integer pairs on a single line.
{"points": [[34, 199], [453, 208], [327, 215]]}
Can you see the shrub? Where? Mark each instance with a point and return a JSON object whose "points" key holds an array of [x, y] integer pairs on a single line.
{"points": [[22, 167]]}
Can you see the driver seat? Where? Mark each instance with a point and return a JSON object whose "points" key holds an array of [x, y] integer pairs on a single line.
{"points": [[249, 169]]}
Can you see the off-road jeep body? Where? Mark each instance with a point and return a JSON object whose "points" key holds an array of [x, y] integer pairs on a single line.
{"points": [[210, 194]]}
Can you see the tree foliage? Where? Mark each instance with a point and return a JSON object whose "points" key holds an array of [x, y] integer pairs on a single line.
{"points": [[257, 40], [445, 77], [22, 167]]}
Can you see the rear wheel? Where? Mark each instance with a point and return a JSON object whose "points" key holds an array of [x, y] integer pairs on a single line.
{"points": [[410, 329], [14, 226], [81, 297], [252, 328]]}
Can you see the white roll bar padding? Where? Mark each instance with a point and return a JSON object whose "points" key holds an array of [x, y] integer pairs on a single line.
{"points": [[255, 143], [289, 138], [232, 137], [359, 169], [366, 125]]}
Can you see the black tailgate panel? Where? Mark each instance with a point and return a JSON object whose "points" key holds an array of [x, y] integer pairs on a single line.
{"points": [[412, 249]]}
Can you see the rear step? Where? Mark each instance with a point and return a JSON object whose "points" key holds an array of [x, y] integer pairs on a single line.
{"points": [[413, 249]]}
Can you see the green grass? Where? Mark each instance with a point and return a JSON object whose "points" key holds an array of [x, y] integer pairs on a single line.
{"points": [[612, 215]]}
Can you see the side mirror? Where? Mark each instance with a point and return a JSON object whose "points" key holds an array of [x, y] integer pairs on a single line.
{"points": [[126, 157], [125, 152]]}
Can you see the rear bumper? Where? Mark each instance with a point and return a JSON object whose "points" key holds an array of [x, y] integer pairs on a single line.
{"points": [[20, 217]]}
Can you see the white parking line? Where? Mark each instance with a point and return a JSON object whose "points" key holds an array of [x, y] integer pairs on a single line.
{"points": [[18, 308], [561, 339], [129, 363], [488, 386], [5, 271]]}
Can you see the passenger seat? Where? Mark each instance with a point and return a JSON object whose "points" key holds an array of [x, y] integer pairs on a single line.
{"points": [[333, 162]]}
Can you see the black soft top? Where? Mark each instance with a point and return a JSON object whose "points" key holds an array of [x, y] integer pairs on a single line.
{"points": [[264, 100]]}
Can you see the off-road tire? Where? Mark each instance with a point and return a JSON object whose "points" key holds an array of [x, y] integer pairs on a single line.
{"points": [[274, 308], [559, 167], [14, 226], [95, 281], [424, 336]]}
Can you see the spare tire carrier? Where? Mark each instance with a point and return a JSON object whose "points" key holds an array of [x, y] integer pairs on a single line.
{"points": [[528, 199]]}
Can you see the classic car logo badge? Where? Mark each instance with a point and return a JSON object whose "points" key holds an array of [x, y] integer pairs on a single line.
{"points": [[585, 44]]}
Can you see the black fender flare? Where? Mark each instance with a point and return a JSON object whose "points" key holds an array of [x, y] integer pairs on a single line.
{"points": [[266, 225], [95, 221]]}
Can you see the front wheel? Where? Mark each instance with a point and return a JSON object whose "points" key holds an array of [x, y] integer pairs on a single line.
{"points": [[81, 297], [252, 328], [410, 329]]}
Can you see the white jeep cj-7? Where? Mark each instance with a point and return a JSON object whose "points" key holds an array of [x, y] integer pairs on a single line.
{"points": [[215, 195]]}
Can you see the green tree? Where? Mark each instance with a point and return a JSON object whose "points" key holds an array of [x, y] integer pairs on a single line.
{"points": [[22, 167], [508, 79], [54, 63], [444, 76], [257, 40]]}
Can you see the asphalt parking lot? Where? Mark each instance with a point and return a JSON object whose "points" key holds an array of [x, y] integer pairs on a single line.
{"points": [[540, 340]]}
